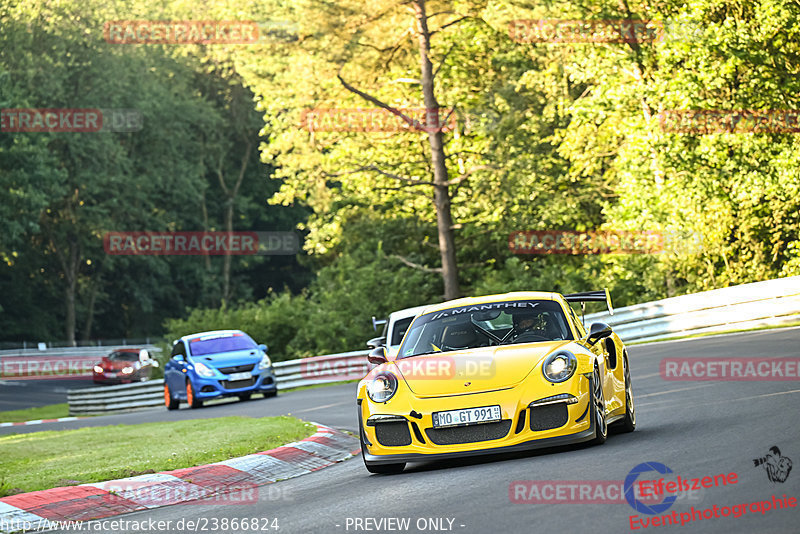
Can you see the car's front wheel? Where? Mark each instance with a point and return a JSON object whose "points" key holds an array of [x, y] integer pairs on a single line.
{"points": [[172, 404], [599, 409], [628, 423], [193, 401], [379, 469]]}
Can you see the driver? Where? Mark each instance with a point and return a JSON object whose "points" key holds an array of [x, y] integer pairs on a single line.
{"points": [[524, 321]]}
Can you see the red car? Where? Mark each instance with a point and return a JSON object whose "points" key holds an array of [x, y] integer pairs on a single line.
{"points": [[123, 366]]}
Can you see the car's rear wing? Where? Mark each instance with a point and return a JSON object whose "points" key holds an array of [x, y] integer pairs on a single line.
{"points": [[591, 296], [378, 322]]}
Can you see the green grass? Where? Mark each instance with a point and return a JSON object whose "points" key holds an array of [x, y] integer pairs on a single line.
{"points": [[52, 411], [706, 334], [50, 459]]}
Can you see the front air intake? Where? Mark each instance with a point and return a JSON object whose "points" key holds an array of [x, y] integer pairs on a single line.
{"points": [[469, 434], [549, 416], [393, 434]]}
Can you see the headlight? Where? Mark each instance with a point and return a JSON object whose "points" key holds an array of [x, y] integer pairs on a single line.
{"points": [[265, 362], [203, 370], [98, 369], [382, 387], [560, 366], [127, 370]]}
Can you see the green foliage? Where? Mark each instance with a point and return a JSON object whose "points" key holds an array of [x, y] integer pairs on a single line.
{"points": [[548, 136]]}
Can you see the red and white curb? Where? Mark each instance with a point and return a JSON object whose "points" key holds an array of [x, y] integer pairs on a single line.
{"points": [[40, 421], [232, 481]]}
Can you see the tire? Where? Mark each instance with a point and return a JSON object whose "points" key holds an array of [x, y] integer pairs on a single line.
{"points": [[599, 409], [190, 398], [245, 396], [172, 404], [268, 394], [628, 424], [379, 469]]}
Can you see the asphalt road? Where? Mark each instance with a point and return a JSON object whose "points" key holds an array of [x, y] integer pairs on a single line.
{"points": [[22, 394], [697, 429]]}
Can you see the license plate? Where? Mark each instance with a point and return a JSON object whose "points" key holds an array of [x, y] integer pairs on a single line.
{"points": [[469, 416], [233, 377]]}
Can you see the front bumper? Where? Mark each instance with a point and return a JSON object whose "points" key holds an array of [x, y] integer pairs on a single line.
{"points": [[541, 443], [216, 387], [521, 428], [112, 377]]}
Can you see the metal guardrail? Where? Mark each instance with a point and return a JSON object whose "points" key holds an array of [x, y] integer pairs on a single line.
{"points": [[774, 302], [105, 343], [68, 352], [321, 369], [769, 303], [111, 399]]}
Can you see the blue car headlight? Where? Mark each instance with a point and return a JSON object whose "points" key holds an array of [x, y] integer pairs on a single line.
{"points": [[265, 362], [203, 370], [560, 366]]}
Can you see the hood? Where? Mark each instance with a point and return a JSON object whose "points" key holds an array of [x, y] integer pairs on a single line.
{"points": [[473, 370], [116, 365], [229, 359]]}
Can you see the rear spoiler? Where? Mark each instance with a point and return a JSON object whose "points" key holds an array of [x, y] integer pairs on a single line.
{"points": [[378, 322], [591, 296]]}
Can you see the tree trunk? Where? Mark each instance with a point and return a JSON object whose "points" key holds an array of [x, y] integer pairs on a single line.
{"points": [[70, 266], [87, 328], [230, 194], [441, 189], [226, 269]]}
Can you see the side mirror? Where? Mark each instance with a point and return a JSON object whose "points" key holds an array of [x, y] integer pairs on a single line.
{"points": [[377, 355], [262, 347], [178, 358], [597, 332], [376, 342]]}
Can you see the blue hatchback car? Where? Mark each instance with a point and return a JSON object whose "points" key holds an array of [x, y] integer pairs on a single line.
{"points": [[210, 365]]}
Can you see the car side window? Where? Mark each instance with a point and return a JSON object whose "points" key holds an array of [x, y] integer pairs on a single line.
{"points": [[399, 330]]}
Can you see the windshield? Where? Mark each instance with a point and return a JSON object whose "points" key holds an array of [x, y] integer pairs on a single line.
{"points": [[221, 343], [124, 356], [485, 325]]}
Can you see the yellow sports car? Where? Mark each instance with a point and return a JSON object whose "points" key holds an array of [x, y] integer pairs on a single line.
{"points": [[499, 373]]}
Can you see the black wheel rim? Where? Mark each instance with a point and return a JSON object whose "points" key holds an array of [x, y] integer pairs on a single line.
{"points": [[599, 403]]}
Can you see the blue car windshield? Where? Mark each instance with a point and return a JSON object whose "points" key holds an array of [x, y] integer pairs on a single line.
{"points": [[221, 343]]}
